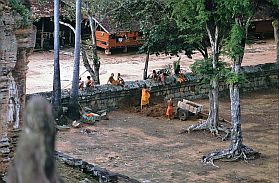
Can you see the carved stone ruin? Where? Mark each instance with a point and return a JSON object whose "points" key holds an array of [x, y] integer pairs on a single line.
{"points": [[16, 44]]}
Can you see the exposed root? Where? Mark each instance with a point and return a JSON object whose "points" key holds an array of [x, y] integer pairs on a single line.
{"points": [[205, 125], [231, 154]]}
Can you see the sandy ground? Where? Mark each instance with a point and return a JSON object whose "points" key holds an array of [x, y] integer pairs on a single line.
{"points": [[151, 149], [130, 65]]}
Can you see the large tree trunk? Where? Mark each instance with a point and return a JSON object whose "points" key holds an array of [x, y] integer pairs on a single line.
{"points": [[96, 60], [276, 36], [213, 33], [56, 95], [213, 115], [87, 64], [212, 121], [145, 70], [236, 133], [236, 149], [73, 110]]}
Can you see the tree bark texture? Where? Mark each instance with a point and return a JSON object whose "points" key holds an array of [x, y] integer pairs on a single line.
{"points": [[145, 70], [87, 64], [236, 149], [276, 36], [213, 33], [96, 60], [73, 110], [56, 95], [236, 133], [212, 121]]}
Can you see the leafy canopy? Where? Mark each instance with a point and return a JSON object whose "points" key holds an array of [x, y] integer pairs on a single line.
{"points": [[22, 10]]}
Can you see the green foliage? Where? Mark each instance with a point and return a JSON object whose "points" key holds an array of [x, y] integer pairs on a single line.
{"points": [[203, 69], [160, 31], [190, 17], [164, 37], [235, 44], [233, 78], [23, 11]]}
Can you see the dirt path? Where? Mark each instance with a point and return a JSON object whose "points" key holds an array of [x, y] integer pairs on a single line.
{"points": [[151, 149], [130, 65]]}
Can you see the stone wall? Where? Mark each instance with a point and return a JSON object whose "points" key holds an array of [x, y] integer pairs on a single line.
{"points": [[16, 44], [113, 97]]}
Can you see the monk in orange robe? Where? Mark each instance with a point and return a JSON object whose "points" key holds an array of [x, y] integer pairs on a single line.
{"points": [[145, 95], [169, 112]]}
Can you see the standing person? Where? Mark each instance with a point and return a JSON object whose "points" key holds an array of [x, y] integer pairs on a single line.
{"points": [[89, 82], [120, 79], [169, 112], [145, 95]]}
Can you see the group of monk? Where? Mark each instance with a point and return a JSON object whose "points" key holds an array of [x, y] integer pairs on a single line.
{"points": [[118, 82], [145, 93], [145, 96], [88, 83], [158, 77], [179, 77]]}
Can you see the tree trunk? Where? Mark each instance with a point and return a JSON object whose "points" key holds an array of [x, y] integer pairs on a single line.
{"points": [[212, 121], [73, 110], [276, 36], [87, 65], [84, 56], [213, 33], [146, 66], [236, 133], [56, 94], [213, 115], [236, 149], [96, 60]]}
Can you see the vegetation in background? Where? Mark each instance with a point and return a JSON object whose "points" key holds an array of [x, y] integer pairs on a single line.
{"points": [[22, 10]]}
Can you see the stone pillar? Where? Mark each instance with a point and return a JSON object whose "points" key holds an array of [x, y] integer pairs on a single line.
{"points": [[25, 42]]}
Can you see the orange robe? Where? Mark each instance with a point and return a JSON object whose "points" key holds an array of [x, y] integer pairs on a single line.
{"points": [[169, 110], [145, 95], [113, 81]]}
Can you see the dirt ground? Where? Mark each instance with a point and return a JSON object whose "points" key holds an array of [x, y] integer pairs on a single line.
{"points": [[130, 65], [150, 149]]}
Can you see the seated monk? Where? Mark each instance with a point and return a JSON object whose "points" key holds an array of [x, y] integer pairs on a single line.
{"points": [[181, 78], [88, 82], [120, 80], [163, 78], [112, 81], [154, 76], [145, 95]]}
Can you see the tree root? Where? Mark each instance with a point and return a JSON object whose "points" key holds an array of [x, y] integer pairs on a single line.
{"points": [[205, 125], [231, 154]]}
